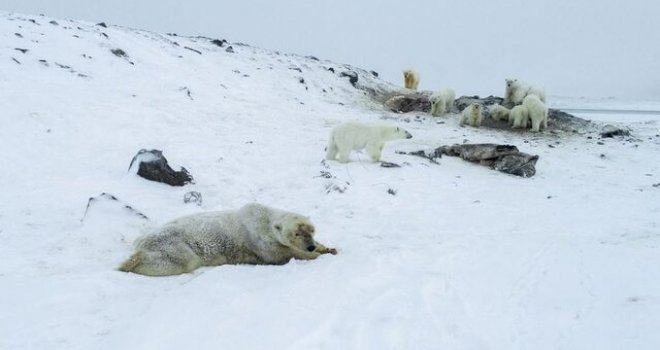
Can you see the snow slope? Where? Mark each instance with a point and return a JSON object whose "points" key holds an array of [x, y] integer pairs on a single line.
{"points": [[461, 257]]}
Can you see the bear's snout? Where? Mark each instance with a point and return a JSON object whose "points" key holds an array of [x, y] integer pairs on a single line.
{"points": [[311, 248]]}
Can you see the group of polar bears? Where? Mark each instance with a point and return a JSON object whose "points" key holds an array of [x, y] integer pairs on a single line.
{"points": [[523, 106]]}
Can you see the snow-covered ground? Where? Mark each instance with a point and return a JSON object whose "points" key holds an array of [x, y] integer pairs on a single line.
{"points": [[461, 257]]}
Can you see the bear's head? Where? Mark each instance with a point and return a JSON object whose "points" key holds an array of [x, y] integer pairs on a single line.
{"points": [[295, 231], [395, 133], [511, 82]]}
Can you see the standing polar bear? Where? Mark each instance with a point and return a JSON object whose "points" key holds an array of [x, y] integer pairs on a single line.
{"points": [[442, 102], [519, 117], [538, 112], [410, 79], [472, 115], [253, 234], [354, 136], [516, 90]]}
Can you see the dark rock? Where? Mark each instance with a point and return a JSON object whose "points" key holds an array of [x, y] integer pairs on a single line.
{"points": [[331, 69], [352, 77], [656, 185], [153, 166], [105, 35], [218, 42], [102, 24], [63, 66], [108, 198], [389, 165], [374, 73], [409, 103], [15, 60], [301, 80], [21, 50], [119, 53], [391, 191], [193, 197], [229, 49], [312, 58], [53, 23], [18, 35], [610, 131], [505, 158], [193, 50], [296, 69]]}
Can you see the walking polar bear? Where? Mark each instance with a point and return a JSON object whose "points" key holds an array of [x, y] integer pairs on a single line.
{"points": [[442, 102], [538, 112], [410, 79], [253, 234], [472, 115], [355, 136], [516, 90]]}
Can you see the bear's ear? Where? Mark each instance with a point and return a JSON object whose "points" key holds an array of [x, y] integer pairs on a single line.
{"points": [[278, 227]]}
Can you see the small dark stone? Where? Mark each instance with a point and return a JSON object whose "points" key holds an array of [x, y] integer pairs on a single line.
{"points": [[171, 34], [374, 73], [153, 166], [105, 35], [53, 23], [63, 66], [551, 146], [15, 60], [229, 49], [391, 191], [389, 165], [193, 197], [352, 77], [102, 24], [119, 52], [589, 137], [218, 42], [331, 69], [600, 143], [21, 50], [301, 80], [33, 21], [312, 58], [18, 35], [296, 69], [656, 185]]}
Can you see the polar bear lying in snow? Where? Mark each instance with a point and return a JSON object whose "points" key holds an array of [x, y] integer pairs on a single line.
{"points": [[253, 234]]}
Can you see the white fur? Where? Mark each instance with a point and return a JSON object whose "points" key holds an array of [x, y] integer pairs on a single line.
{"points": [[410, 79], [472, 115], [442, 102], [519, 117], [538, 112], [355, 136], [498, 112], [516, 90], [253, 234]]}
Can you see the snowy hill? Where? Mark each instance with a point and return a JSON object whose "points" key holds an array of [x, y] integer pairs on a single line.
{"points": [[459, 257]]}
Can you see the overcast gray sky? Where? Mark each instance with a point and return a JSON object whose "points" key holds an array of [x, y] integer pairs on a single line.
{"points": [[601, 48]]}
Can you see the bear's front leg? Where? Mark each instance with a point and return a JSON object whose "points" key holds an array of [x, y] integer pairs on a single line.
{"points": [[320, 248], [375, 151]]}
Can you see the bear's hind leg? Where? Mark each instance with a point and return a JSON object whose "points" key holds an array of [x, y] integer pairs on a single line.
{"points": [[344, 155]]}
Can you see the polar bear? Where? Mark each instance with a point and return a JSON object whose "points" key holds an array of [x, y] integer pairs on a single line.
{"points": [[410, 79], [472, 115], [498, 112], [538, 112], [354, 136], [516, 90], [442, 102], [253, 234], [519, 117]]}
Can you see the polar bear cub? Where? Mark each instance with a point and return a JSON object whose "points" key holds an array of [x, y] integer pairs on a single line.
{"points": [[516, 90], [253, 234], [538, 112], [442, 102], [519, 117], [410, 79], [355, 136], [498, 112], [472, 115]]}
